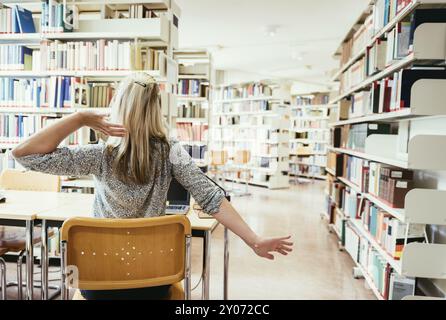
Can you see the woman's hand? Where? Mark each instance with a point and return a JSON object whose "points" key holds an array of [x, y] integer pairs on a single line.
{"points": [[264, 247], [99, 122]]}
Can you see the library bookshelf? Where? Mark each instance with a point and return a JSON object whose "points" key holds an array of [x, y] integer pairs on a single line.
{"points": [[193, 101], [409, 146], [93, 22], [309, 135], [248, 118]]}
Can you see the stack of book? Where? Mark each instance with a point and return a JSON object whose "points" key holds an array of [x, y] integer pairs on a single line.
{"points": [[96, 55]]}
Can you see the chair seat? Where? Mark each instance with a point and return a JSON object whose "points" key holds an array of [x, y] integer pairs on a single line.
{"points": [[13, 239], [176, 292]]}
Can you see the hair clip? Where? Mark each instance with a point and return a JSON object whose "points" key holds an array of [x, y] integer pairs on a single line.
{"points": [[142, 84]]}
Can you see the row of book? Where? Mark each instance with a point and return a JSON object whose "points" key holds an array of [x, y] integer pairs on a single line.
{"points": [[269, 149], [389, 284], [257, 135], [309, 124], [387, 183], [270, 163], [15, 57], [308, 171], [389, 94], [383, 12], [141, 11], [192, 87], [302, 148], [316, 160], [306, 112], [195, 151], [191, 131], [192, 110], [314, 99], [97, 55], [55, 17], [353, 137], [245, 91], [16, 20], [7, 161], [382, 54], [244, 107], [394, 46], [54, 92], [15, 128], [389, 232], [319, 135]]}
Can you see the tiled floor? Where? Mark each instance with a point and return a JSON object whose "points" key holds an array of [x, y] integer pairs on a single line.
{"points": [[315, 270]]}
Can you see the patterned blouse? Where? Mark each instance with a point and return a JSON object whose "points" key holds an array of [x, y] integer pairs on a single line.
{"points": [[116, 199]]}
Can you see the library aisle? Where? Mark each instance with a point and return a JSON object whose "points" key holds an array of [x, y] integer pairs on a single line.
{"points": [[315, 270], [128, 127]]}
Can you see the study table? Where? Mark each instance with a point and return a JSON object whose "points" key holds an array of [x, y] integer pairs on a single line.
{"points": [[51, 209]]}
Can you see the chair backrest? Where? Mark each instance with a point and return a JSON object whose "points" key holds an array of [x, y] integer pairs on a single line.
{"points": [[126, 253], [242, 157], [13, 179], [219, 158]]}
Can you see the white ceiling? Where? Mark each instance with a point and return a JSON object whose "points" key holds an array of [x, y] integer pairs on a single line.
{"points": [[234, 31]]}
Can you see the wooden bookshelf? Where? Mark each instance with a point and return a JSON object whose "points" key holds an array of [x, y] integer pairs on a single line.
{"points": [[422, 149]]}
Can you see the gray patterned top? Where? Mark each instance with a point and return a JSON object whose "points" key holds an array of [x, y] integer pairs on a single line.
{"points": [[115, 199]]}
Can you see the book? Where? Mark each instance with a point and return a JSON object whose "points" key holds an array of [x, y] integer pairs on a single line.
{"points": [[24, 20], [401, 286]]}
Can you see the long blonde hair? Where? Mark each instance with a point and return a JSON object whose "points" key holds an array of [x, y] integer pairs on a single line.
{"points": [[137, 106]]}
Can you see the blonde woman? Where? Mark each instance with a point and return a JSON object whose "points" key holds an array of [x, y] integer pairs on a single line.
{"points": [[134, 168]]}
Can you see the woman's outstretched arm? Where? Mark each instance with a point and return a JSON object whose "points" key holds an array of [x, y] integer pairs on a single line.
{"points": [[263, 247], [47, 140]]}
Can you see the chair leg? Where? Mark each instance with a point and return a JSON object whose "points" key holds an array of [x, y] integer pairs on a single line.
{"points": [[20, 275], [3, 277]]}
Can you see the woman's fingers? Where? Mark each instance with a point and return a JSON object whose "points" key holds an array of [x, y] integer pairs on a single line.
{"points": [[286, 248], [282, 252]]}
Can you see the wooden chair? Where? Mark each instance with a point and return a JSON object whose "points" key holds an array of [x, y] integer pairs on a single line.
{"points": [[3, 272], [111, 254], [13, 179], [219, 160], [13, 238], [241, 162]]}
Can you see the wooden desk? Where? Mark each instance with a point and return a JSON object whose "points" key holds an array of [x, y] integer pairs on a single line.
{"points": [[81, 205], [21, 209]]}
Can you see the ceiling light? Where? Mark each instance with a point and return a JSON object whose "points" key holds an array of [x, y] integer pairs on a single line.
{"points": [[271, 30]]}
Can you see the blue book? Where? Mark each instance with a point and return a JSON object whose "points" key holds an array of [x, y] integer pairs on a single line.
{"points": [[24, 20]]}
